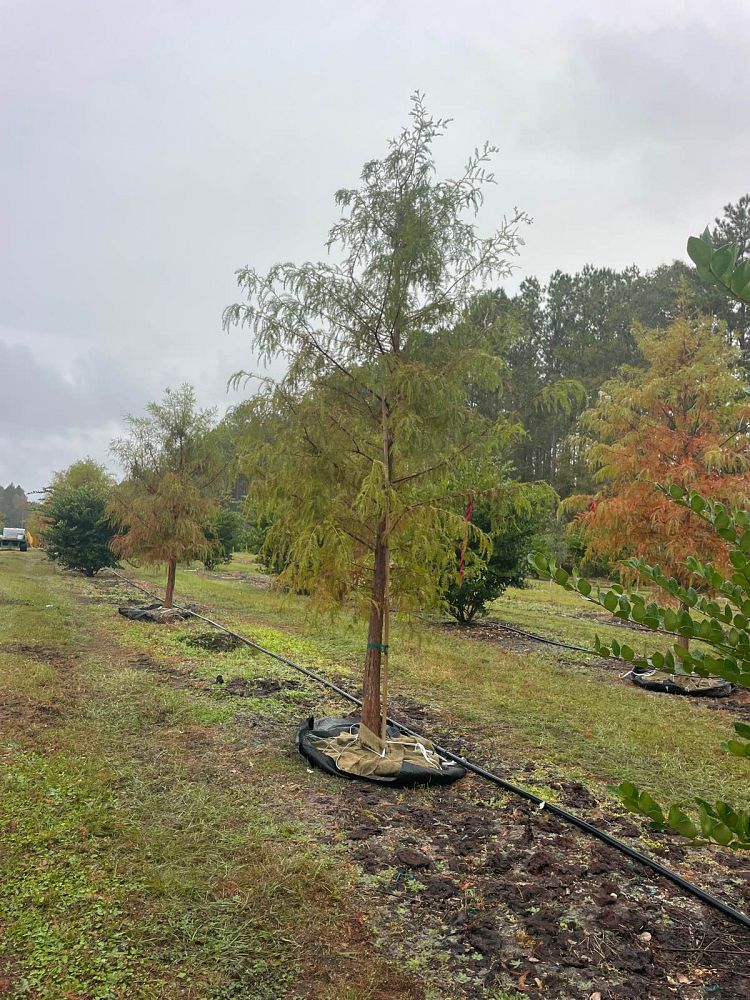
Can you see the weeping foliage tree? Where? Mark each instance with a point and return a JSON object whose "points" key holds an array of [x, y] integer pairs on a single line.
{"points": [[169, 498], [364, 453]]}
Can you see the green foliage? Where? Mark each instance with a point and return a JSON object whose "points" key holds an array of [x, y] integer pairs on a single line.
{"points": [[370, 422], [714, 610], [511, 527], [86, 472], [78, 529], [717, 823], [13, 505], [361, 451], [720, 266], [227, 534], [560, 342], [166, 505], [375, 330]]}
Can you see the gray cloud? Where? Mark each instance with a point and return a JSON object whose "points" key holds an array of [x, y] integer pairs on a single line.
{"points": [[672, 87], [39, 398], [152, 148]]}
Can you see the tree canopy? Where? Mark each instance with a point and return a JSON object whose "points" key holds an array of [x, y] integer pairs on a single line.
{"points": [[682, 419], [511, 523], [169, 499], [85, 472], [13, 505], [365, 451], [77, 528]]}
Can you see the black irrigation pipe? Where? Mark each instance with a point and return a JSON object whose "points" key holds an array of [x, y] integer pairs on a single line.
{"points": [[580, 649], [688, 887], [541, 638]]}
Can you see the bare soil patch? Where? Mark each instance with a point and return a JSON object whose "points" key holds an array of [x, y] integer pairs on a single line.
{"points": [[215, 642], [43, 654], [261, 687], [504, 891], [26, 715]]}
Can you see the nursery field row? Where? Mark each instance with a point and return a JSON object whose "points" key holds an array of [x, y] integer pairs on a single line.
{"points": [[164, 839]]}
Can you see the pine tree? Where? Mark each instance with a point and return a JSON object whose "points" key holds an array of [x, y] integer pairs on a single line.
{"points": [[365, 450], [168, 501], [733, 227]]}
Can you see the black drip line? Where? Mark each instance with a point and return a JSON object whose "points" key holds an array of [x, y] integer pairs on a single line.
{"points": [[688, 887]]}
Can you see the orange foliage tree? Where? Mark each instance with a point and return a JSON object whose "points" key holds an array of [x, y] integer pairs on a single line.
{"points": [[169, 499], [682, 419]]}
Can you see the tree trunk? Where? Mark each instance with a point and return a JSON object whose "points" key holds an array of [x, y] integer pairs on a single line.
{"points": [[371, 707], [171, 572]]}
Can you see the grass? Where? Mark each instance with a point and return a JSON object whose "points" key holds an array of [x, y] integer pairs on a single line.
{"points": [[154, 844], [138, 860], [552, 707]]}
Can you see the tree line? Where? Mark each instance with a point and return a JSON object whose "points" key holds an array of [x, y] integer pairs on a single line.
{"points": [[13, 506], [414, 450]]}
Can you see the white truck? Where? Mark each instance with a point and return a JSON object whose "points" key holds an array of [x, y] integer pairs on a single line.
{"points": [[14, 538]]}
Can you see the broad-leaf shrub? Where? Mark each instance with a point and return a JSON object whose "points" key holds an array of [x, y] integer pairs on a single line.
{"points": [[511, 523], [719, 266], [715, 611]]}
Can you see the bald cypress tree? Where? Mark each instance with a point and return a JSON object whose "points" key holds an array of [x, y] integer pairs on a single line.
{"points": [[683, 419], [365, 451], [168, 499]]}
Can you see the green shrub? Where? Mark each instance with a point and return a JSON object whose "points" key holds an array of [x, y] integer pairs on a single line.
{"points": [[78, 530], [227, 534], [512, 527]]}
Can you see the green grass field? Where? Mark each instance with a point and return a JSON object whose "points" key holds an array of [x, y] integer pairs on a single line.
{"points": [[133, 863], [154, 846], [548, 705]]}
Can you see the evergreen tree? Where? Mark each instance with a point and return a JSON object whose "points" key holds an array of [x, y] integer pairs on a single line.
{"points": [[226, 534], [364, 448], [733, 227], [511, 527], [77, 528], [169, 499], [13, 505]]}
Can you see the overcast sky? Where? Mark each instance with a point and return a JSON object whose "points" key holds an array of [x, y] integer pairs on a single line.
{"points": [[150, 148]]}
